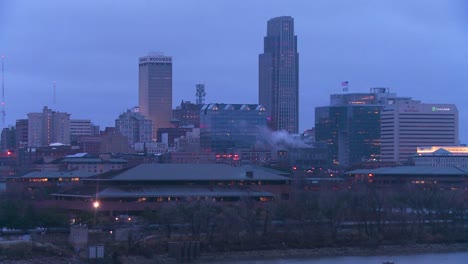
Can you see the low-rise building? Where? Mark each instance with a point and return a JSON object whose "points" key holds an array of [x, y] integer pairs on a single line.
{"points": [[442, 177], [102, 164], [148, 186], [442, 156]]}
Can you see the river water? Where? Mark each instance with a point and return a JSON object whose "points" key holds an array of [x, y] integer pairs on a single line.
{"points": [[445, 258]]}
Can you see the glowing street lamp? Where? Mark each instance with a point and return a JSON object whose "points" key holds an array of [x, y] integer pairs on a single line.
{"points": [[95, 205]]}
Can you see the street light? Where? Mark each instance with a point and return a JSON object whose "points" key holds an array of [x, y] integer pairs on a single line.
{"points": [[95, 205]]}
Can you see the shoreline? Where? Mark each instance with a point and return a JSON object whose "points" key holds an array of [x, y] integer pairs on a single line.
{"points": [[382, 250], [272, 254]]}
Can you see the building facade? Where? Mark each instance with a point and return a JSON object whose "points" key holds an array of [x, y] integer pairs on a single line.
{"points": [[224, 127], [442, 156], [82, 128], [408, 124], [21, 133], [350, 126], [135, 127], [279, 75], [8, 139], [155, 90], [188, 114], [48, 127]]}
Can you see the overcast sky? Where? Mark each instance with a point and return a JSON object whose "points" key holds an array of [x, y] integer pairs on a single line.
{"points": [[90, 48]]}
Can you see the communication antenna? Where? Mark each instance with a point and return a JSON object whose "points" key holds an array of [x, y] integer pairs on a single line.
{"points": [[3, 90], [200, 93], [54, 90]]}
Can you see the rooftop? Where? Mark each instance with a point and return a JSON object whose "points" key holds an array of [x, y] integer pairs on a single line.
{"points": [[57, 174], [413, 170], [91, 160], [164, 191], [197, 172]]}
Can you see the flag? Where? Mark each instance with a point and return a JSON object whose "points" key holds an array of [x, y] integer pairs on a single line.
{"points": [[346, 83]]}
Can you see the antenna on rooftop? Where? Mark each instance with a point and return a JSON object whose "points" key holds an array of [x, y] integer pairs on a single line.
{"points": [[54, 90], [3, 90], [200, 94]]}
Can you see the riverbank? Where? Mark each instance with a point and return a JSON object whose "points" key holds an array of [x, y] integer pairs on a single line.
{"points": [[384, 250], [220, 257]]}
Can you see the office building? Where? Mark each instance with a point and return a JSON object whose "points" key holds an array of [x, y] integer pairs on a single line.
{"points": [[21, 133], [279, 75], [350, 126], [155, 89], [224, 127], [112, 141], [82, 127], [8, 139], [48, 127], [188, 114], [407, 124], [135, 127]]}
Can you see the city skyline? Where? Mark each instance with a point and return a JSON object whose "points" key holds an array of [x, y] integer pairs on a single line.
{"points": [[394, 45]]}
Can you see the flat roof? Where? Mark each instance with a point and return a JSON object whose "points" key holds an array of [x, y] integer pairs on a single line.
{"points": [[56, 174], [198, 172], [91, 160], [415, 170], [165, 191]]}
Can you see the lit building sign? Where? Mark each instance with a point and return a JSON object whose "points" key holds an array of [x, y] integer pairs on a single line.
{"points": [[451, 149], [435, 108]]}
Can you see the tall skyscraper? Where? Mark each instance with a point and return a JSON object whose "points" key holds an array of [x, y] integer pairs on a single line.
{"points": [[279, 75], [155, 90]]}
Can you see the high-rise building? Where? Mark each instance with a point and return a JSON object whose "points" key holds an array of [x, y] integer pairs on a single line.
{"points": [[279, 75], [8, 138], [155, 89], [407, 124], [224, 127], [350, 126], [48, 127], [21, 133], [135, 127]]}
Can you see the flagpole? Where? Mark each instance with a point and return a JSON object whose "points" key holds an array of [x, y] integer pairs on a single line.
{"points": [[345, 86]]}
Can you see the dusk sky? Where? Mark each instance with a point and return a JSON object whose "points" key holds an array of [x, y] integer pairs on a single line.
{"points": [[91, 48]]}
